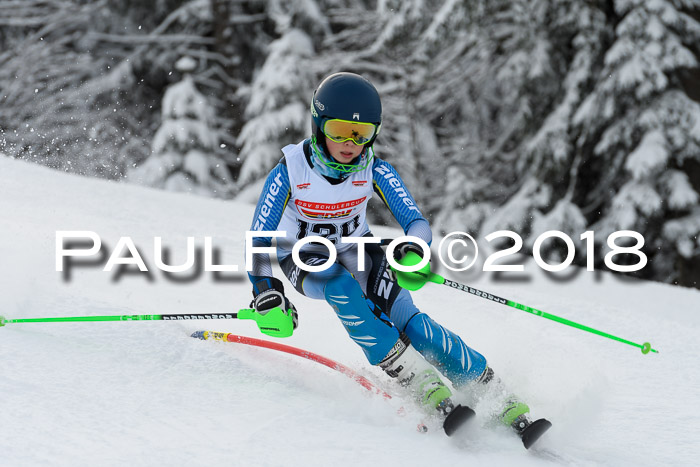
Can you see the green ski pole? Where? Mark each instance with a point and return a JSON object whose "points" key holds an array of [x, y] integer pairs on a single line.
{"points": [[275, 323], [417, 279]]}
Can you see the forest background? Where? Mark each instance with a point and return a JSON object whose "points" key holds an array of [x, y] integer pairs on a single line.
{"points": [[524, 115]]}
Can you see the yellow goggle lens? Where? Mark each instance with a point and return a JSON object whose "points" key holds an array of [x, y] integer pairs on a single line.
{"points": [[340, 131]]}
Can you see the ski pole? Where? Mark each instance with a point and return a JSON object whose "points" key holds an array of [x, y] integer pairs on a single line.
{"points": [[275, 323], [416, 279]]}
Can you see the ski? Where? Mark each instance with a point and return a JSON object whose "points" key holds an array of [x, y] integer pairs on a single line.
{"points": [[456, 418], [532, 431], [528, 431]]}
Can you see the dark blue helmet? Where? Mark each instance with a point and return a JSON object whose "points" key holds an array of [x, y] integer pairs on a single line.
{"points": [[345, 96]]}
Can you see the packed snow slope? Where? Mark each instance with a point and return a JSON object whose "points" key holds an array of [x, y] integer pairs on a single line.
{"points": [[145, 393]]}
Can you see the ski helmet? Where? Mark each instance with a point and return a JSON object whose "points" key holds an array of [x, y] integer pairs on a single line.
{"points": [[345, 96]]}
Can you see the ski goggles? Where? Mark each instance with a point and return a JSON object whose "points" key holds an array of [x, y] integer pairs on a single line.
{"points": [[340, 131]]}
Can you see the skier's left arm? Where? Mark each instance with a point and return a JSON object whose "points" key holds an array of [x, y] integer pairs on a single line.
{"points": [[393, 191]]}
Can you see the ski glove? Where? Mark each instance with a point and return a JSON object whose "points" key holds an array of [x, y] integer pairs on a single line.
{"points": [[403, 248], [409, 254], [268, 293]]}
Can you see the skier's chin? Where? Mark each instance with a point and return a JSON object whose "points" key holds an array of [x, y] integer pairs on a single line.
{"points": [[345, 158]]}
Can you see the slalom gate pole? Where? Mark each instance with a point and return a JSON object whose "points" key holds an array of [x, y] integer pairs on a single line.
{"points": [[275, 323], [314, 357], [416, 279]]}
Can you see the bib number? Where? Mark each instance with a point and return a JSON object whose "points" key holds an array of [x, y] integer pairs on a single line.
{"points": [[329, 230]]}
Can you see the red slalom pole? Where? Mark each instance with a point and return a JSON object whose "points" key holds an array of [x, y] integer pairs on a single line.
{"points": [[314, 357]]}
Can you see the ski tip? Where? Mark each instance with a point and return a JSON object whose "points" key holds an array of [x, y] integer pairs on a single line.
{"points": [[534, 431], [459, 415], [200, 335], [2, 321]]}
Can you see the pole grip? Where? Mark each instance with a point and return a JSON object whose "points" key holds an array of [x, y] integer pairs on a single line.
{"points": [[276, 322]]}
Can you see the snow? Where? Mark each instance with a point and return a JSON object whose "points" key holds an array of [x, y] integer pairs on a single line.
{"points": [[197, 163], [439, 21], [186, 64], [145, 393], [649, 156], [684, 233], [515, 213], [565, 217], [632, 199], [181, 134], [182, 101], [681, 194]]}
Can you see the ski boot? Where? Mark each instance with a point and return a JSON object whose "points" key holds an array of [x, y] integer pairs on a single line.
{"points": [[420, 377], [515, 413]]}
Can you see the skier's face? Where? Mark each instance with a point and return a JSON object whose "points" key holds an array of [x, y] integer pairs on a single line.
{"points": [[343, 152]]}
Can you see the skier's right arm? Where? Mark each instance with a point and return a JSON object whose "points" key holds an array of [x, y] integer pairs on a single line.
{"points": [[268, 291], [268, 213]]}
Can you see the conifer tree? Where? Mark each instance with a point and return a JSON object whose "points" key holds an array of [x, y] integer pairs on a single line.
{"points": [[183, 150]]}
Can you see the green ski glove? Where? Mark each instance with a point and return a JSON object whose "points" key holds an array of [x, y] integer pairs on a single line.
{"points": [[408, 254]]}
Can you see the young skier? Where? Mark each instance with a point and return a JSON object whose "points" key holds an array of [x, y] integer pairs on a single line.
{"points": [[321, 188]]}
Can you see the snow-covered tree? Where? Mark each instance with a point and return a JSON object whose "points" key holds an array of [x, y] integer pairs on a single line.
{"points": [[560, 65], [643, 130], [278, 98], [55, 99], [277, 110], [183, 150], [587, 123], [79, 81], [531, 115]]}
